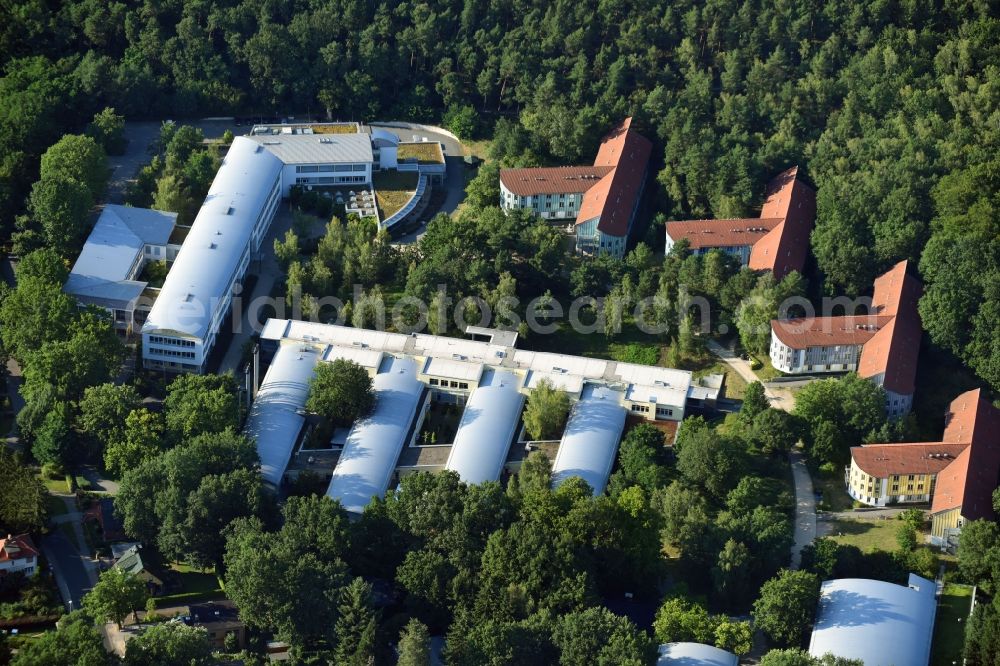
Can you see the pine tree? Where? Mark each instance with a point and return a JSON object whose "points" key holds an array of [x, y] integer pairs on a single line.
{"points": [[356, 626], [414, 645]]}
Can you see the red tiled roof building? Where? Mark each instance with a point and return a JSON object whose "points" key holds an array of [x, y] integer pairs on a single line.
{"points": [[603, 199], [777, 241], [881, 346], [956, 475]]}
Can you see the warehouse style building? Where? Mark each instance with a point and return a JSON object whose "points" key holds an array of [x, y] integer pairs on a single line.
{"points": [[488, 381], [956, 475], [882, 346], [777, 241], [603, 199]]}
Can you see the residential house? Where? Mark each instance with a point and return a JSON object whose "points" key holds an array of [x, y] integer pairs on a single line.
{"points": [[219, 619], [132, 562], [776, 241], [18, 555], [603, 199], [882, 346], [956, 475]]}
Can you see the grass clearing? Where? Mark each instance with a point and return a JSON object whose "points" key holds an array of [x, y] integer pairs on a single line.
{"points": [[55, 506], [425, 152], [393, 189], [834, 493], [767, 372], [867, 535], [195, 585], [949, 624], [58, 486]]}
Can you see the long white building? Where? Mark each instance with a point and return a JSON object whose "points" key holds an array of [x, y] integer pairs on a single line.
{"points": [[184, 322], [488, 380], [260, 169]]}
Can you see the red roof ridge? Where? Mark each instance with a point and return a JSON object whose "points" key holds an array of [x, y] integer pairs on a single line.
{"points": [[24, 545]]}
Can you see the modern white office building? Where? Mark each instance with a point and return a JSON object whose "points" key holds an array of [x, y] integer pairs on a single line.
{"points": [[226, 236], [488, 381], [185, 320]]}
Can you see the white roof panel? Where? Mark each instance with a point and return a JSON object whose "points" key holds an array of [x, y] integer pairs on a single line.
{"points": [[694, 654], [274, 421], [101, 272], [590, 441], [318, 148], [374, 443], [452, 369], [880, 623], [487, 428], [221, 232]]}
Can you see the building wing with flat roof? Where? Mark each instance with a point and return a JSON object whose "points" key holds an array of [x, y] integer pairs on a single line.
{"points": [[590, 440], [488, 426], [318, 148], [374, 443], [882, 624]]}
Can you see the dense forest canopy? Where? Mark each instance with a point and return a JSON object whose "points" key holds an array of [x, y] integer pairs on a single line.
{"points": [[889, 106]]}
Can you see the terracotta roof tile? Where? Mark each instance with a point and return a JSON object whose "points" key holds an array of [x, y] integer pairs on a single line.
{"points": [[892, 354], [552, 180], [882, 460], [826, 331], [787, 216], [966, 462], [721, 233], [615, 196], [785, 249], [970, 481], [17, 548]]}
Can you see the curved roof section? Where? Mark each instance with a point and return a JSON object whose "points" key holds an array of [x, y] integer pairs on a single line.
{"points": [[694, 654], [487, 428], [374, 443], [213, 248], [877, 622], [381, 136], [275, 421], [590, 441]]}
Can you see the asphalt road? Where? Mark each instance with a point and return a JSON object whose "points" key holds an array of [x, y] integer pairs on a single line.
{"points": [[67, 564]]}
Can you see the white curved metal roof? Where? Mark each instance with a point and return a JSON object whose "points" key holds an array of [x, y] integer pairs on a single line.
{"points": [[694, 654], [374, 443], [877, 622], [212, 250], [274, 420], [487, 427], [590, 441], [385, 135]]}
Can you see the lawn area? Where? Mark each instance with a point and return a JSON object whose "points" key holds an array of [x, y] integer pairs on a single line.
{"points": [[949, 624], [55, 506], [392, 190], [766, 372], [835, 497], [425, 152], [195, 585], [735, 385], [55, 485], [867, 535]]}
